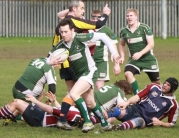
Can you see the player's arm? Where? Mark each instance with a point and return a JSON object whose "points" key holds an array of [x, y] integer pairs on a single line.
{"points": [[116, 68], [52, 99], [51, 60], [103, 37], [52, 88], [149, 46], [62, 14], [43, 106], [122, 50], [40, 97], [157, 122], [89, 25], [132, 100], [51, 80], [136, 98]]}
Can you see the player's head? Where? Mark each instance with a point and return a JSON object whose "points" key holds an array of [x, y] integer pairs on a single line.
{"points": [[125, 86], [170, 85], [132, 16], [96, 15], [66, 29], [77, 8]]}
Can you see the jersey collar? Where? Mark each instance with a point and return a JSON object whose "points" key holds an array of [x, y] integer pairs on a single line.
{"points": [[168, 97], [68, 44], [129, 27]]}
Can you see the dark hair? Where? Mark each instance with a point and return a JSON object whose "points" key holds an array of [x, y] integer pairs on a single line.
{"points": [[125, 86], [66, 21]]}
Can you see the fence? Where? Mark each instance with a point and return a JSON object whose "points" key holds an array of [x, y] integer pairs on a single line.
{"points": [[38, 18]]}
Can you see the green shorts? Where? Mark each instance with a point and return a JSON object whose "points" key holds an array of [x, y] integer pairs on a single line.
{"points": [[103, 70], [146, 64], [17, 94]]}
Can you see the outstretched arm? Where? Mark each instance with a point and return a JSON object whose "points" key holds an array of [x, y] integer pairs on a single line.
{"points": [[44, 107], [103, 37], [131, 100]]}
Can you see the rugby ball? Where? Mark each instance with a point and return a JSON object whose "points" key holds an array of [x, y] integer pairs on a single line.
{"points": [[61, 53]]}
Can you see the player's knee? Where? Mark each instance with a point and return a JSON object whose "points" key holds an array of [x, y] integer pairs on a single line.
{"points": [[128, 74], [98, 86], [139, 122], [15, 100], [74, 96]]}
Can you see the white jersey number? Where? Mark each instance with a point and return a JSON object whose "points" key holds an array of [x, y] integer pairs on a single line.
{"points": [[104, 89], [38, 64]]}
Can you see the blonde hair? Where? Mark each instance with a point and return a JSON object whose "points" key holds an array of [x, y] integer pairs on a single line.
{"points": [[136, 12]]}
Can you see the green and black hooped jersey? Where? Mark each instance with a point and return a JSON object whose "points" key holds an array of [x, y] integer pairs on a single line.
{"points": [[36, 75], [137, 40], [101, 50], [108, 96]]}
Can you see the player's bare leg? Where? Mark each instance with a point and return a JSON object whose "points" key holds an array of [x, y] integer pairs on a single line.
{"points": [[99, 84]]}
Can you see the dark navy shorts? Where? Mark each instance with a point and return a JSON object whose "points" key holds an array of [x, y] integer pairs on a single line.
{"points": [[67, 74], [131, 112], [33, 115]]}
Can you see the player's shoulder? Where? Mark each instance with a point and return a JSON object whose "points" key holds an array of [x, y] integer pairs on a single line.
{"points": [[123, 29], [40, 59], [84, 36], [144, 26], [59, 44], [154, 86], [40, 63]]}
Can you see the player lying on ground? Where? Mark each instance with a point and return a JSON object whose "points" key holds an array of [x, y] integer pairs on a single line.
{"points": [[37, 113], [150, 106], [112, 94]]}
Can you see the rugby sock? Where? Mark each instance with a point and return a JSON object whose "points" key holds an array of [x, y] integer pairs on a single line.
{"points": [[115, 112], [98, 112], [94, 119], [66, 104], [126, 125], [135, 87], [6, 113], [81, 105]]}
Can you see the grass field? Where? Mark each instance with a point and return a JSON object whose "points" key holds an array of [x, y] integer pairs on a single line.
{"points": [[15, 53]]}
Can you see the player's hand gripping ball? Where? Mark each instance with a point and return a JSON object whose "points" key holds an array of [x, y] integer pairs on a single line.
{"points": [[61, 53]]}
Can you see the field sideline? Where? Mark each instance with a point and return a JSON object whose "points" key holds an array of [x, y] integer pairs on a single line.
{"points": [[15, 53]]}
